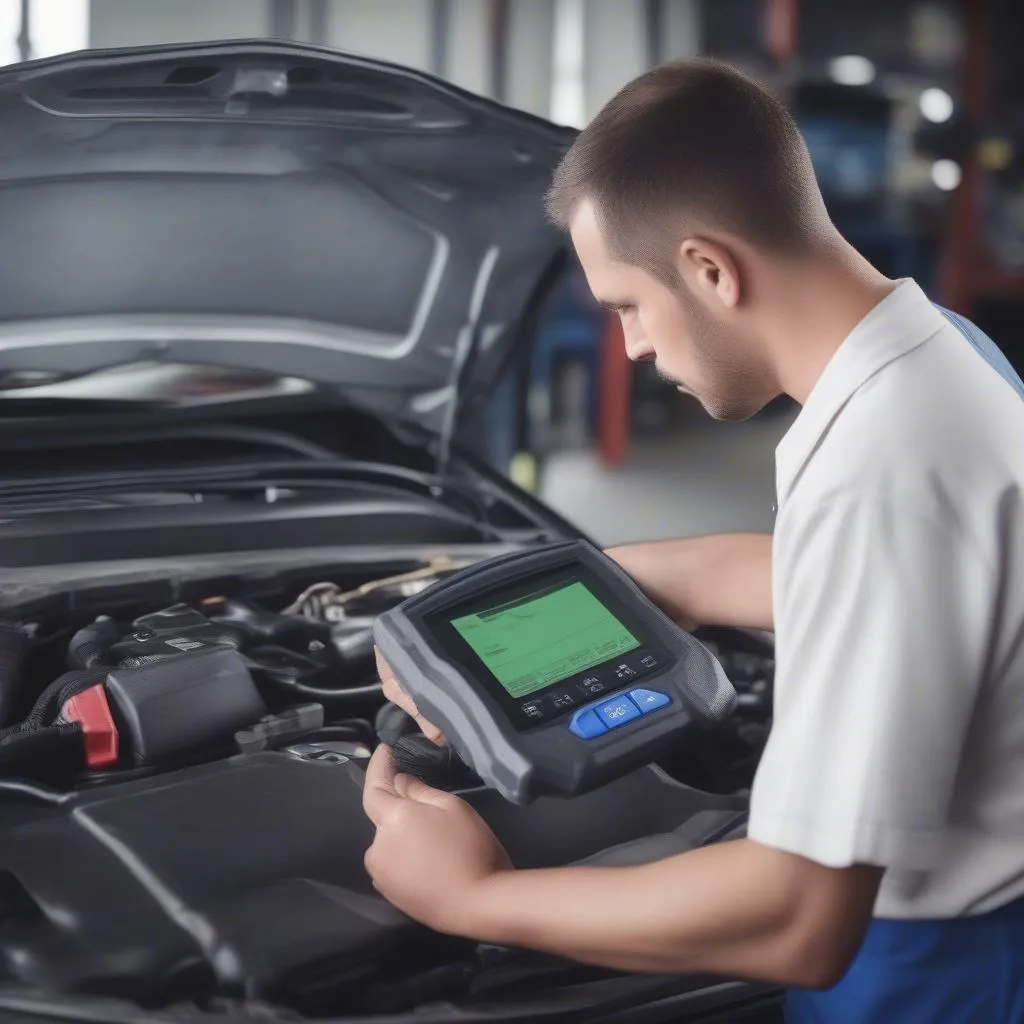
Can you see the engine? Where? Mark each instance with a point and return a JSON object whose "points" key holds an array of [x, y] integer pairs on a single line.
{"points": [[193, 682], [180, 803], [232, 673]]}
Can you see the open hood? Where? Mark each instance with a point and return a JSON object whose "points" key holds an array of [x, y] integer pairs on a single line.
{"points": [[269, 207]]}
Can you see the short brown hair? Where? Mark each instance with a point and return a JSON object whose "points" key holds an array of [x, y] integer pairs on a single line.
{"points": [[699, 140]]}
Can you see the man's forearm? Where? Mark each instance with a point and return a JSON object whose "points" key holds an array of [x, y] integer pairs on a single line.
{"points": [[719, 580], [734, 909]]}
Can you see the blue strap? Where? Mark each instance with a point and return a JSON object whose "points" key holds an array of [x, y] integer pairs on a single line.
{"points": [[986, 348]]}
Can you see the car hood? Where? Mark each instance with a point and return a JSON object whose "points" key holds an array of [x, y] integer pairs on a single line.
{"points": [[270, 207]]}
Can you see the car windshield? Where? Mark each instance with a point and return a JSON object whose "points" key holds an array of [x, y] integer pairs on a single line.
{"points": [[166, 383]]}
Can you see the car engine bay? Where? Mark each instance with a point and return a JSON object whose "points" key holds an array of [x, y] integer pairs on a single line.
{"points": [[180, 798]]}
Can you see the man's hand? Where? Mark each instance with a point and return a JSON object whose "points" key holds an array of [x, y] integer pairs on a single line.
{"points": [[432, 851], [396, 695], [737, 909]]}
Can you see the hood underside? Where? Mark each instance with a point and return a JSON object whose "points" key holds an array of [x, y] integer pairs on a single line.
{"points": [[272, 207]]}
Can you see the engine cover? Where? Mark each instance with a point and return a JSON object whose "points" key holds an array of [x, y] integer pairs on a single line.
{"points": [[223, 879], [245, 878]]}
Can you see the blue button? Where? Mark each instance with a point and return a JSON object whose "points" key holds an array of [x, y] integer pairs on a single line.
{"points": [[586, 724], [617, 711], [649, 700]]}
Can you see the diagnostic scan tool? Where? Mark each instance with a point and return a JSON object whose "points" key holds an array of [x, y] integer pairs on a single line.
{"points": [[549, 671]]}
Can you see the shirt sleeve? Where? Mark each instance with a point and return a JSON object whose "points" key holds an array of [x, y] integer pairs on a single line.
{"points": [[883, 617]]}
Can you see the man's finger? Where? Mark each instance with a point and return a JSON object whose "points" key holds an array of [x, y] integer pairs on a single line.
{"points": [[396, 695], [431, 731], [416, 789], [383, 668], [379, 793]]}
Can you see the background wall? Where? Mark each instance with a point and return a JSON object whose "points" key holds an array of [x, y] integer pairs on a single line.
{"points": [[912, 110], [453, 38]]}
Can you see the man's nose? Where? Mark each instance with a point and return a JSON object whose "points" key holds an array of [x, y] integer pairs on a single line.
{"points": [[638, 351]]}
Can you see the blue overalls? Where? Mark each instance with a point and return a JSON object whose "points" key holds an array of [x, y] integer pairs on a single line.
{"points": [[967, 970]]}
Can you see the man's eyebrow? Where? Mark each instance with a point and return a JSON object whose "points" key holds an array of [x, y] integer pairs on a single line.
{"points": [[610, 305]]}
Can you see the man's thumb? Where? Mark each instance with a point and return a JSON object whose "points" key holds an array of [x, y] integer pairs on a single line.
{"points": [[411, 788]]}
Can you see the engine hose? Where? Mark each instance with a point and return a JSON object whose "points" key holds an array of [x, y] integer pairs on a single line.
{"points": [[13, 656], [355, 730], [52, 747], [90, 646], [230, 636], [50, 701], [320, 694], [290, 678]]}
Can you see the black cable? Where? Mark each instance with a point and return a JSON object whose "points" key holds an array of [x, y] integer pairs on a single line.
{"points": [[391, 723], [354, 729], [322, 695], [51, 748], [437, 766], [90, 646], [50, 701]]}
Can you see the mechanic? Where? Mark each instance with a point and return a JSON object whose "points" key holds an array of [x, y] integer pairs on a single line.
{"points": [[882, 877]]}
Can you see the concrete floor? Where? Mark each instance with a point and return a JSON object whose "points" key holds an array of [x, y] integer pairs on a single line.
{"points": [[703, 477]]}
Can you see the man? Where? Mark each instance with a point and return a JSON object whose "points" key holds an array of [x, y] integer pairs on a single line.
{"points": [[882, 878]]}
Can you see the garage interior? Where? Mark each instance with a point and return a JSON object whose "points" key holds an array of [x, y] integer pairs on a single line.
{"points": [[912, 111], [271, 351]]}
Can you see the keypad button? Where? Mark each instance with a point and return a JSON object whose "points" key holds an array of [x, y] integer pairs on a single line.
{"points": [[533, 709], [592, 684], [646, 661], [617, 711], [649, 700], [586, 724], [563, 701], [624, 672]]}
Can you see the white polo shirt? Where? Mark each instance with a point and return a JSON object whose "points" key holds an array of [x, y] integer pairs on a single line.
{"points": [[898, 588]]}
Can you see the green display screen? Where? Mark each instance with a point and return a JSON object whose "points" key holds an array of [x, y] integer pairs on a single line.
{"points": [[544, 637]]}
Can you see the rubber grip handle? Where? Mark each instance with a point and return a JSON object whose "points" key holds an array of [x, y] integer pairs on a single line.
{"points": [[438, 767]]}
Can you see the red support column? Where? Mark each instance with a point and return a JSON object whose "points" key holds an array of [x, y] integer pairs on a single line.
{"points": [[958, 272], [780, 28], [616, 392]]}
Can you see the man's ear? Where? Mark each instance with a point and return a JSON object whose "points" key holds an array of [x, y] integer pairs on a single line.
{"points": [[711, 271]]}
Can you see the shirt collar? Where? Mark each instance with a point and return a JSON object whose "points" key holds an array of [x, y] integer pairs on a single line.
{"points": [[901, 322]]}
